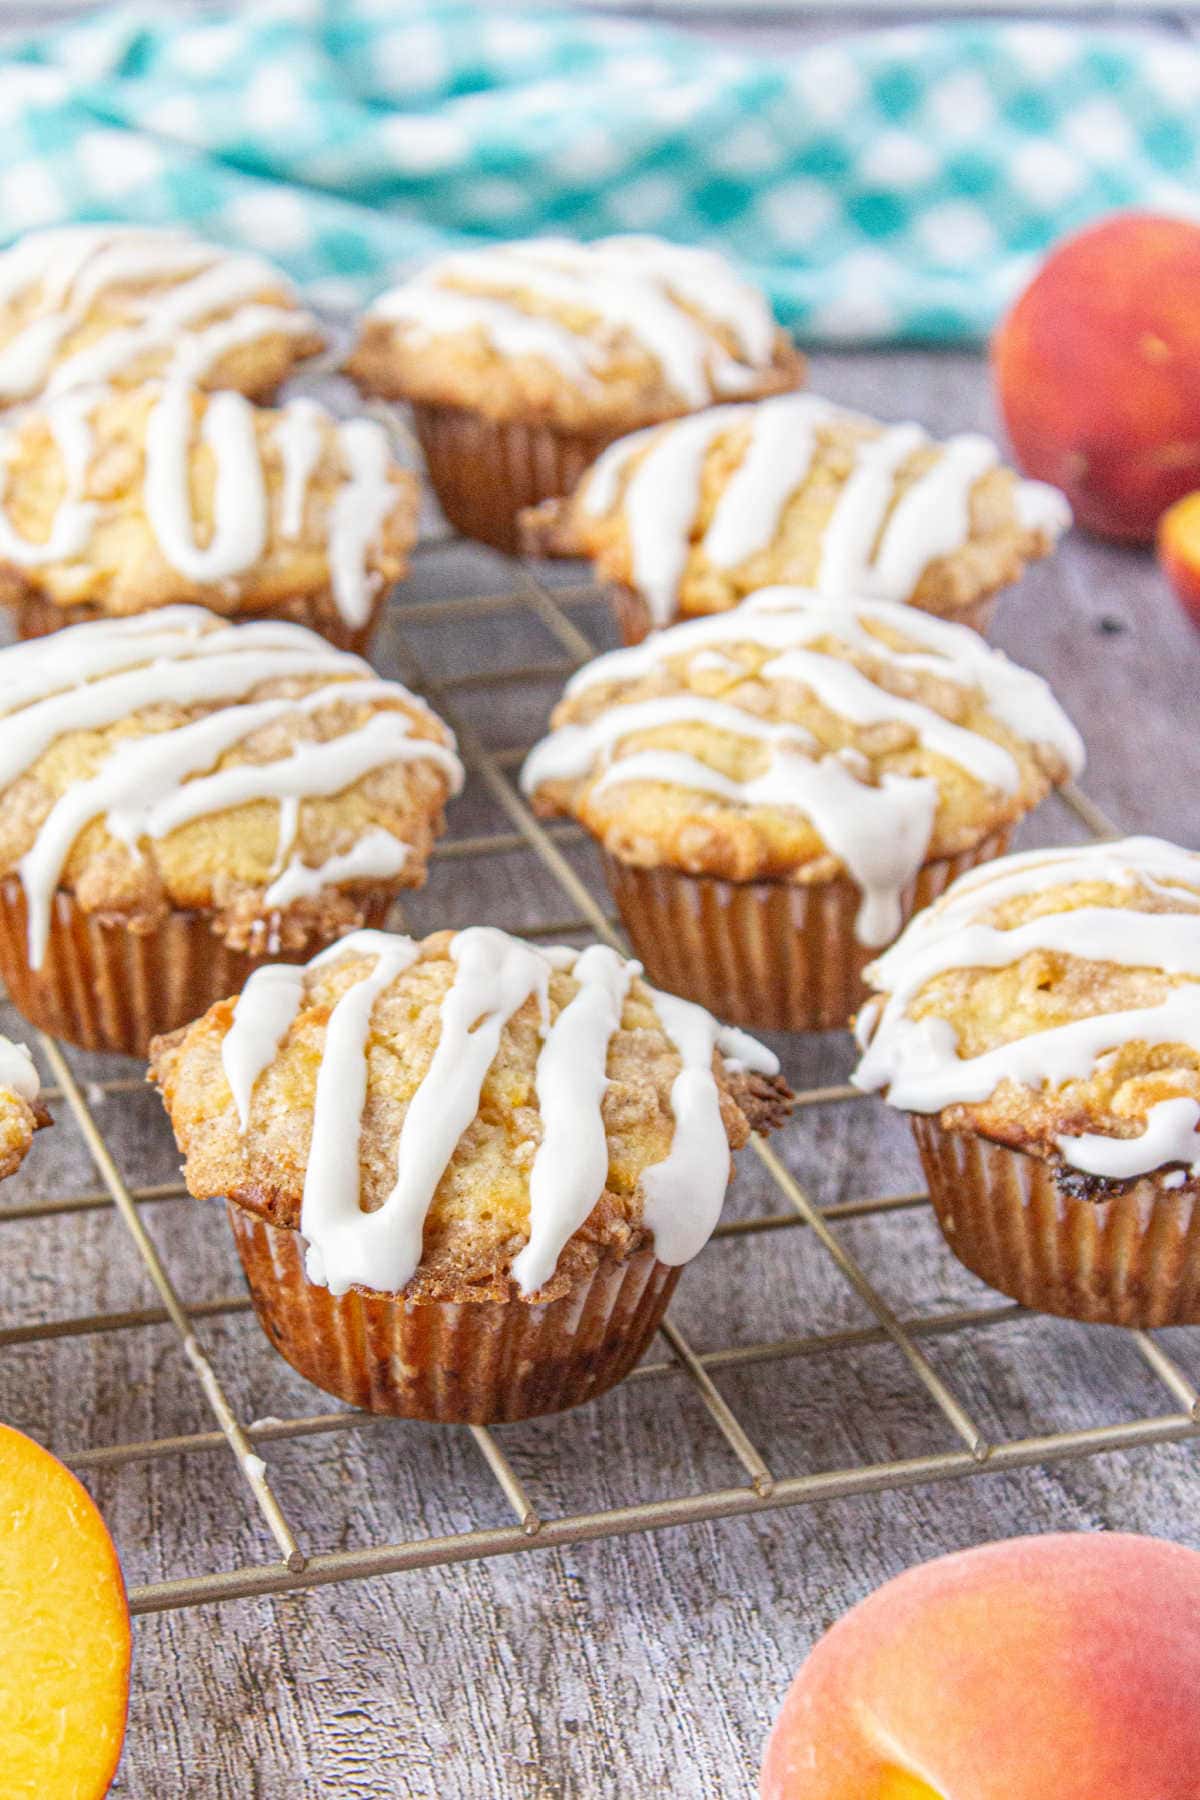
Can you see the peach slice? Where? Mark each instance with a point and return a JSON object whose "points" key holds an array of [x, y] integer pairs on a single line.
{"points": [[1064, 1666], [1179, 550], [1097, 369], [64, 1632]]}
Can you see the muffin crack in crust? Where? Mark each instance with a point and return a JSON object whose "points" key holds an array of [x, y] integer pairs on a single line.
{"points": [[798, 738], [694, 516], [1051, 1003], [470, 1118], [120, 500], [249, 772], [98, 303], [601, 336], [21, 1111]]}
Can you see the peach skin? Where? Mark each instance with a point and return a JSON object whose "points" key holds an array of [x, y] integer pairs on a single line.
{"points": [[1049, 1668], [64, 1632], [1179, 551], [1097, 370]]}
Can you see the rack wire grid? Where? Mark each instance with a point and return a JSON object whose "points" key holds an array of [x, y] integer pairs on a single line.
{"points": [[471, 624]]}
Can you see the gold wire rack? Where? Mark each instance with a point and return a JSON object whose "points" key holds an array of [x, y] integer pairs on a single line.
{"points": [[573, 909]]}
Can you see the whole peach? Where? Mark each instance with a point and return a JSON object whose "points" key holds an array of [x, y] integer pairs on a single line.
{"points": [[1097, 369], [1064, 1666]]}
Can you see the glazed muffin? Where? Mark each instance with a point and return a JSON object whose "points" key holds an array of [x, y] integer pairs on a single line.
{"points": [[694, 516], [83, 304], [463, 1174], [118, 500], [777, 788], [21, 1111], [181, 798], [523, 360], [1041, 1025]]}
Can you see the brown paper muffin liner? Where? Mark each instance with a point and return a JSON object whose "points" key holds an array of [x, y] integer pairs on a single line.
{"points": [[104, 987], [472, 1362], [634, 621], [485, 472], [778, 955], [37, 617], [1133, 1259]]}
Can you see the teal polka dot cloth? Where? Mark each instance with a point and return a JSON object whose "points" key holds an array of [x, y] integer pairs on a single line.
{"points": [[892, 186]]}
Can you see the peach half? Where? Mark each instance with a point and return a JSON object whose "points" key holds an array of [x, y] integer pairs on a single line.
{"points": [[64, 1632], [1097, 371], [1061, 1666], [1179, 551]]}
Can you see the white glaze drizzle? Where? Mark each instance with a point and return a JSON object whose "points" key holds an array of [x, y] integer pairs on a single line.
{"points": [[860, 553], [495, 975], [73, 268], [147, 787], [298, 438], [239, 531], [659, 507], [880, 834], [17, 1072], [362, 500], [376, 854], [637, 285], [917, 1061]]}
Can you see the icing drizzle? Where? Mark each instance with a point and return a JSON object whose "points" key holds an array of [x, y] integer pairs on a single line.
{"points": [[864, 551], [495, 975], [75, 267], [658, 293], [17, 1072], [917, 1061], [91, 676], [361, 504], [881, 833]]}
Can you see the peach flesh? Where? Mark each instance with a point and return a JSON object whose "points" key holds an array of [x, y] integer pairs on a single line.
{"points": [[64, 1632], [1061, 1665], [1097, 368], [1179, 551]]}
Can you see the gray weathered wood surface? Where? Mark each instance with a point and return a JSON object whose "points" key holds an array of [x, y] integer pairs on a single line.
{"points": [[636, 1666]]}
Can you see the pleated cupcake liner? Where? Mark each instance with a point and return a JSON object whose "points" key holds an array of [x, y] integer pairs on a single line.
{"points": [[36, 617], [635, 621], [778, 955], [1133, 1259], [475, 1362], [104, 986], [485, 472]]}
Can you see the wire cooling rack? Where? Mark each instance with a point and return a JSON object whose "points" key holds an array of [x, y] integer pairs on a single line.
{"points": [[570, 906]]}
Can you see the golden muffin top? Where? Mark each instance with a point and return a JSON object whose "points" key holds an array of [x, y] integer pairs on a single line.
{"points": [[130, 498], [175, 761], [601, 336], [20, 1110], [469, 1117], [1051, 1001], [698, 514], [800, 738], [82, 304]]}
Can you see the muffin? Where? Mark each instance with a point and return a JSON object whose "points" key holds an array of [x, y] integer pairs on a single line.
{"points": [[21, 1112], [463, 1174], [774, 790], [1041, 1025], [83, 304], [181, 798], [117, 500], [692, 517], [523, 360]]}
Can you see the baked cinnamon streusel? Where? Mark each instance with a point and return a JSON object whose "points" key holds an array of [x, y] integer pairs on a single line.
{"points": [[118, 500], [694, 516]]}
